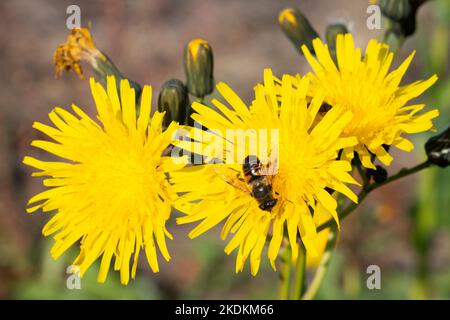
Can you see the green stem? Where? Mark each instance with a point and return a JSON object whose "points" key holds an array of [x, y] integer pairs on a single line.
{"points": [[395, 41], [285, 275], [371, 187], [300, 273], [322, 268]]}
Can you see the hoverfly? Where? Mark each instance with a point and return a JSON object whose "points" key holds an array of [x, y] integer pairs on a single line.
{"points": [[257, 178], [259, 183]]}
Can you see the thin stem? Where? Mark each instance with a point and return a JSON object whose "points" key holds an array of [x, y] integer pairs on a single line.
{"points": [[371, 187], [402, 173], [300, 273], [285, 275], [395, 41], [322, 268]]}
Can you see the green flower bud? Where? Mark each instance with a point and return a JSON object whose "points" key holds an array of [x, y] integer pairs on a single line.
{"points": [[330, 35], [198, 65], [332, 31], [438, 149], [396, 10], [402, 14], [297, 28], [405, 27], [174, 100]]}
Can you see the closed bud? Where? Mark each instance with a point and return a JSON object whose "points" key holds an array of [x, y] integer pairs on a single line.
{"points": [[330, 35], [198, 65], [396, 10], [438, 149], [297, 28], [402, 14], [173, 99]]}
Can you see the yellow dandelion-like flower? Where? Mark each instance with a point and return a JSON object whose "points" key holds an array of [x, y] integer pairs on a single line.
{"points": [[307, 166], [110, 192], [374, 96]]}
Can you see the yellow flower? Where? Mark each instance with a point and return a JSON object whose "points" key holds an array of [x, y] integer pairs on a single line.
{"points": [[79, 46], [307, 165], [109, 193], [374, 96]]}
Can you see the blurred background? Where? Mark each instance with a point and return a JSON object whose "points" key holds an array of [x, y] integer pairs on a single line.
{"points": [[404, 228]]}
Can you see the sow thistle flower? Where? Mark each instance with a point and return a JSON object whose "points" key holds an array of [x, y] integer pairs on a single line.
{"points": [[110, 192], [373, 94], [307, 166]]}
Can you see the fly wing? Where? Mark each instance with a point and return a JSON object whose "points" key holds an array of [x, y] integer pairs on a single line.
{"points": [[230, 175]]}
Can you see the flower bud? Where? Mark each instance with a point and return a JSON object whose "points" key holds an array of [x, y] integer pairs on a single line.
{"points": [[396, 10], [297, 28], [332, 31], [402, 14], [405, 27], [198, 65], [438, 149], [330, 35], [174, 100]]}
